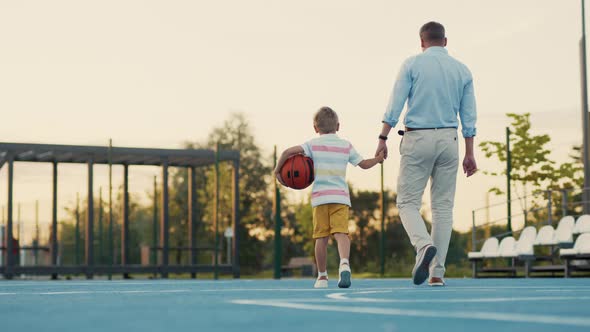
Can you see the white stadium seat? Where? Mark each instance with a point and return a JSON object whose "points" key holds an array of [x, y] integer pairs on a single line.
{"points": [[582, 224], [489, 249], [564, 232], [582, 246], [546, 236], [507, 247], [526, 240]]}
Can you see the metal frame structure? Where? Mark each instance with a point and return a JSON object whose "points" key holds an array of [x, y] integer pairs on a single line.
{"points": [[92, 155]]}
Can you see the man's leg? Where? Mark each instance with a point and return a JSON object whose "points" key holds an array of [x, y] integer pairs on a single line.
{"points": [[415, 168], [417, 161], [442, 192]]}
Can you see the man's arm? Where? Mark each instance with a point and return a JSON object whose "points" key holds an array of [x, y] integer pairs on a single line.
{"points": [[468, 116], [382, 145], [397, 100], [284, 156], [469, 164]]}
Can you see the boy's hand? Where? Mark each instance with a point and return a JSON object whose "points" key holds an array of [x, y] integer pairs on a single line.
{"points": [[279, 178]]}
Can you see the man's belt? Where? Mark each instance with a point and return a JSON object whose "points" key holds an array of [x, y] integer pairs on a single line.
{"points": [[401, 132]]}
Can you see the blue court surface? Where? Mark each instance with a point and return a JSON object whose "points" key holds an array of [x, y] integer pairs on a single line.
{"points": [[293, 305]]}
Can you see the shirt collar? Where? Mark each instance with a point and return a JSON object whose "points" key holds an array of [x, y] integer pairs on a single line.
{"points": [[438, 49], [329, 135]]}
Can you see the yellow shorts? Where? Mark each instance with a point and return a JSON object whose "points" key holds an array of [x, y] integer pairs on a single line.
{"points": [[329, 219]]}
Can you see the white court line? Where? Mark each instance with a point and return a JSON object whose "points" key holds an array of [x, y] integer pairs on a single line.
{"points": [[344, 297], [285, 289], [105, 283], [1, 294], [472, 315], [108, 292]]}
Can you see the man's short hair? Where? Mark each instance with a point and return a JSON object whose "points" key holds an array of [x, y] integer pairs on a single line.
{"points": [[326, 120], [432, 31]]}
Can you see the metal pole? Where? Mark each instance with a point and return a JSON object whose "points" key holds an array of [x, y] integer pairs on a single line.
{"points": [[18, 224], [382, 240], [549, 208], [585, 121], [473, 230], [90, 221], [192, 218], [155, 225], [508, 174], [54, 247], [77, 231], [111, 237], [216, 214], [8, 238], [278, 226], [125, 226], [236, 219], [164, 230], [100, 228], [36, 242], [564, 202]]}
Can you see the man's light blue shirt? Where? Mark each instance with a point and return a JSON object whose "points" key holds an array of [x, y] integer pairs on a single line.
{"points": [[437, 88]]}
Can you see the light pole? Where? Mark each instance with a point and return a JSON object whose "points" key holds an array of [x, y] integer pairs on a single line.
{"points": [[586, 143]]}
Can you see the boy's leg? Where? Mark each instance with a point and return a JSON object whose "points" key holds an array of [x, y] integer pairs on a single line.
{"points": [[321, 252], [343, 245], [339, 229]]}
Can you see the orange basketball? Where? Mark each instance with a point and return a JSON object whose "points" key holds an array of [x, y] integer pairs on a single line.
{"points": [[297, 172]]}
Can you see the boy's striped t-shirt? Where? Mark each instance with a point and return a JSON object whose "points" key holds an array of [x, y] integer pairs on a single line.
{"points": [[330, 154]]}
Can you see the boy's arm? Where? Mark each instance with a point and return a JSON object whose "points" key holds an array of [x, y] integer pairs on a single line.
{"points": [[284, 156], [368, 163]]}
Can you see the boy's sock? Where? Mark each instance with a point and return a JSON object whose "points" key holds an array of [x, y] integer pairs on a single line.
{"points": [[323, 274], [344, 261]]}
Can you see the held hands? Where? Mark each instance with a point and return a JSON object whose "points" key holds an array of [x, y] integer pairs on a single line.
{"points": [[380, 156], [381, 150], [469, 165]]}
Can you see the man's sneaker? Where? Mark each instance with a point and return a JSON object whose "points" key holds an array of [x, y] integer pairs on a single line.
{"points": [[321, 282], [345, 276], [436, 282], [420, 271]]}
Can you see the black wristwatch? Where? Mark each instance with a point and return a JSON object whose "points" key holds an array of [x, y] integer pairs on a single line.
{"points": [[383, 137]]}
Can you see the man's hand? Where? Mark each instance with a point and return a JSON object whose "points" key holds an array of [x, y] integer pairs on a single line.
{"points": [[469, 165], [381, 149]]}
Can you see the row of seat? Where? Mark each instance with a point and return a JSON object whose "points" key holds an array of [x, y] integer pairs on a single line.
{"points": [[574, 255], [562, 236]]}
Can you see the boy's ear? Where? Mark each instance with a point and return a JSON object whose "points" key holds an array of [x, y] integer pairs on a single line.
{"points": [[316, 128], [338, 126]]}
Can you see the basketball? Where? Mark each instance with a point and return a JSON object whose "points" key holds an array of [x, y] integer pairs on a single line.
{"points": [[297, 172]]}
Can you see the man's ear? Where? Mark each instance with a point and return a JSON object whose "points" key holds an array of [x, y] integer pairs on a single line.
{"points": [[445, 45]]}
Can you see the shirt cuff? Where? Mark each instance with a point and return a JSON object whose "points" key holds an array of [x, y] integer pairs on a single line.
{"points": [[392, 123], [468, 132]]}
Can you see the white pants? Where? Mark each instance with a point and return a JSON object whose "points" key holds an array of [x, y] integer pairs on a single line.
{"points": [[428, 154]]}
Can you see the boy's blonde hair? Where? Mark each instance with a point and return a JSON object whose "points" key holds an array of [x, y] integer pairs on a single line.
{"points": [[326, 120]]}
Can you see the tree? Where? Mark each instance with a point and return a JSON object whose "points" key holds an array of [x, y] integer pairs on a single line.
{"points": [[531, 165]]}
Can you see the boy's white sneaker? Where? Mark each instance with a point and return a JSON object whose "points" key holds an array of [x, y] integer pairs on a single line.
{"points": [[345, 276], [321, 282]]}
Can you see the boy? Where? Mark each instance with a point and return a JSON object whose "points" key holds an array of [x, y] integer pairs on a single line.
{"points": [[330, 198]]}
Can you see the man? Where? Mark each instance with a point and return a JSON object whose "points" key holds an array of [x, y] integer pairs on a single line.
{"points": [[437, 88]]}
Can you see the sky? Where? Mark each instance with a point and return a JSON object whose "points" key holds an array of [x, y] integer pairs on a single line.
{"points": [[159, 73]]}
